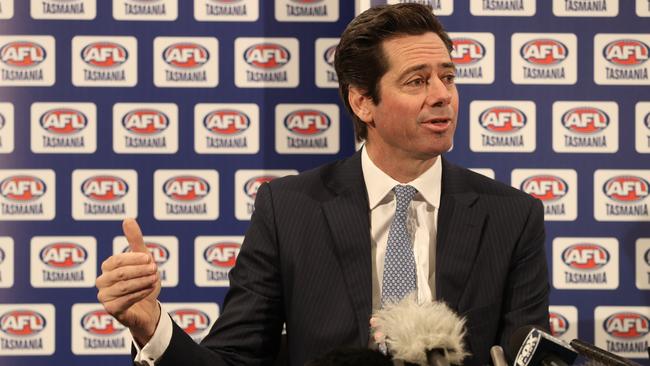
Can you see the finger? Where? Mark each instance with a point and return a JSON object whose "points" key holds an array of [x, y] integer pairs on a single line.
{"points": [[134, 235], [125, 273], [379, 337], [125, 288], [125, 259], [373, 322], [117, 306]]}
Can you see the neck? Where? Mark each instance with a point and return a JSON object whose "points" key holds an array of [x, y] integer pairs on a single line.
{"points": [[402, 169]]}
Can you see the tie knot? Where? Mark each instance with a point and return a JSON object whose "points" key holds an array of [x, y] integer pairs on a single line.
{"points": [[404, 195]]}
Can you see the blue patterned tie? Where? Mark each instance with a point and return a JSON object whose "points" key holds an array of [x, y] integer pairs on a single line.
{"points": [[399, 277]]}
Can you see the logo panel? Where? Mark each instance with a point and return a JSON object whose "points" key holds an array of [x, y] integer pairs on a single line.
{"points": [[325, 52], [642, 255], [585, 127], [104, 194], [154, 10], [621, 195], [96, 332], [214, 257], [563, 321], [621, 59], [63, 9], [186, 62], [63, 261], [63, 128], [266, 62], [6, 262], [226, 128], [27, 60], [145, 128], [473, 55], [186, 194], [27, 329], [502, 126], [6, 9], [104, 61], [524, 8], [6, 128], [642, 127], [226, 10], [585, 8], [547, 58], [307, 128], [556, 188], [27, 195], [585, 263], [623, 330], [306, 10], [195, 319], [247, 182]]}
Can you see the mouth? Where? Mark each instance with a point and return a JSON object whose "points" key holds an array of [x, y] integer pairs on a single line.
{"points": [[439, 124]]}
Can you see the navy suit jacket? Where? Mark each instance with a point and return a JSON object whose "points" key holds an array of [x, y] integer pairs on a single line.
{"points": [[306, 262]]}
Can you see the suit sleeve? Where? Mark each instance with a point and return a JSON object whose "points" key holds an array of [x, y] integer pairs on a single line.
{"points": [[249, 327], [526, 294]]}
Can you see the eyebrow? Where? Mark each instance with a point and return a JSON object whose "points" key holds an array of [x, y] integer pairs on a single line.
{"points": [[415, 68]]}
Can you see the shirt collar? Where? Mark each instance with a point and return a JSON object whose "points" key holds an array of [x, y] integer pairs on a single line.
{"points": [[380, 184]]}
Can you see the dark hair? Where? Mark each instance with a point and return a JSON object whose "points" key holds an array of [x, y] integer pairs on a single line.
{"points": [[360, 60]]}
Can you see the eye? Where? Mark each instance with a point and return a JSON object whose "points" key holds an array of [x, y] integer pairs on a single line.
{"points": [[416, 82], [449, 79]]}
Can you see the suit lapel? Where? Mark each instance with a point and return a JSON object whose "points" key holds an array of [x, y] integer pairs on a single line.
{"points": [[347, 217], [460, 223]]}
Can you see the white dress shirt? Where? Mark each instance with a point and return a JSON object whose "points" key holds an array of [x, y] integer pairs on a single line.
{"points": [[422, 218], [421, 222]]}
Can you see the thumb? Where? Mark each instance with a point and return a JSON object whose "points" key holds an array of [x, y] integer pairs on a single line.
{"points": [[134, 235]]}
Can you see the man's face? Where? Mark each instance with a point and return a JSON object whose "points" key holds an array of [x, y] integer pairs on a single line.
{"points": [[416, 116]]}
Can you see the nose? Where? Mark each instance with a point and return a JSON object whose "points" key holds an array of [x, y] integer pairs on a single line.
{"points": [[438, 93]]}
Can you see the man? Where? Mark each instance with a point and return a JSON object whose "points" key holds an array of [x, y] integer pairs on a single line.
{"points": [[320, 247]]}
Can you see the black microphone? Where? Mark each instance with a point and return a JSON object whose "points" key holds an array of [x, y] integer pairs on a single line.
{"points": [[600, 355], [539, 348], [429, 334]]}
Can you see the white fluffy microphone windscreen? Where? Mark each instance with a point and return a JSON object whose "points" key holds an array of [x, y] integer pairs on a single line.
{"points": [[411, 329]]}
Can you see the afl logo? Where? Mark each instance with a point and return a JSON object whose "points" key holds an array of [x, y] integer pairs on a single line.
{"points": [[626, 52], [544, 52], [23, 323], [646, 121], [104, 188], [626, 188], [104, 54], [145, 121], [22, 188], [252, 185], [585, 256], [502, 119], [307, 122], [330, 55], [186, 55], [467, 51], [626, 324], [547, 188], [3, 121], [558, 323], [63, 121], [646, 257], [222, 255], [190, 320], [2, 255], [226, 122], [267, 55], [22, 54], [186, 188], [585, 120], [100, 323], [63, 255]]}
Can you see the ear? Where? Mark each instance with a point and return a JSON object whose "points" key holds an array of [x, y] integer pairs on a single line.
{"points": [[361, 104]]}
